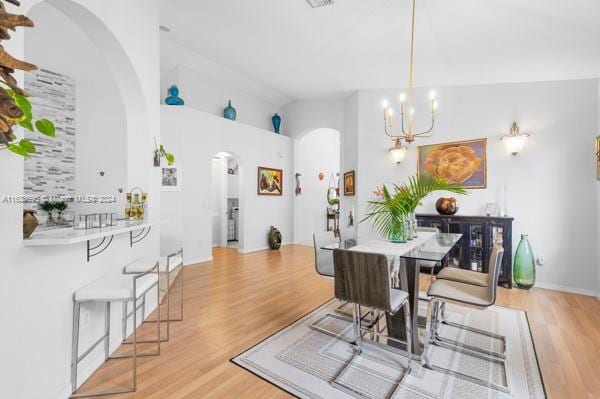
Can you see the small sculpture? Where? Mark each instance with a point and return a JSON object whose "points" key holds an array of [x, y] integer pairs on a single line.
{"points": [[30, 222], [298, 185], [230, 112], [173, 98]]}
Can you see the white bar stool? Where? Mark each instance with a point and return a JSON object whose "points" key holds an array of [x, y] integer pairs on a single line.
{"points": [[166, 265], [107, 289]]}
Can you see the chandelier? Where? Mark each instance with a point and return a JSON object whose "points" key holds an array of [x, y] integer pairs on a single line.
{"points": [[408, 133]]}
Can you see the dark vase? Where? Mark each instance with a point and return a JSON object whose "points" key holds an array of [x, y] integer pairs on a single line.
{"points": [[230, 112], [276, 119], [524, 267], [446, 206], [274, 238]]}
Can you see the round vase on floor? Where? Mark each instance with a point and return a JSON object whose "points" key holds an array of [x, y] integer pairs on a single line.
{"points": [[446, 206], [274, 238], [524, 267]]}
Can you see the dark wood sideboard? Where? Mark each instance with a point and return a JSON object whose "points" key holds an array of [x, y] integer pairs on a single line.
{"points": [[474, 249]]}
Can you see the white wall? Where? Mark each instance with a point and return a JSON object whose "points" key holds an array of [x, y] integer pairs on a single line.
{"points": [[101, 133], [304, 116], [551, 184], [349, 160], [38, 283], [195, 137], [207, 94], [317, 151]]}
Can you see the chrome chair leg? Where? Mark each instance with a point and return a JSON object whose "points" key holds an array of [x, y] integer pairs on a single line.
{"points": [[430, 340], [494, 354]]}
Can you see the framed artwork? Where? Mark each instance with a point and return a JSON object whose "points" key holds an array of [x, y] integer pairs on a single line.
{"points": [[349, 183], [270, 181], [461, 162], [170, 178], [598, 157]]}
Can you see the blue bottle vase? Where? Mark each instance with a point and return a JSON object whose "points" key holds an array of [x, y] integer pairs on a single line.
{"points": [[230, 112]]}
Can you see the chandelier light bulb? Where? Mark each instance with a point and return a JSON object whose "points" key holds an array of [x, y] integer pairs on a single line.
{"points": [[384, 103], [402, 97], [432, 95], [390, 112], [435, 105]]}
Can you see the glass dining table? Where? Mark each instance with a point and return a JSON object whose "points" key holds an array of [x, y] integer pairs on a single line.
{"points": [[428, 247]]}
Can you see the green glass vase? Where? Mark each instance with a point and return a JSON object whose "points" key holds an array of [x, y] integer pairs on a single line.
{"points": [[524, 268], [398, 232]]}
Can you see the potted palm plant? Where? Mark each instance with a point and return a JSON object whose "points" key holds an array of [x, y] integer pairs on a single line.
{"points": [[48, 207], [393, 215]]}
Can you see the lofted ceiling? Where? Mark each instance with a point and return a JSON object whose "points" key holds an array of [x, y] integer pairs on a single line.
{"points": [[306, 53]]}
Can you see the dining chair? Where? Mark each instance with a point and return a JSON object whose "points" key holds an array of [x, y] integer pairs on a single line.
{"points": [[447, 291], [364, 279], [428, 263], [477, 279]]}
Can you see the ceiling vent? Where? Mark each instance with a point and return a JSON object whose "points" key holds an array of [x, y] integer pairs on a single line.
{"points": [[320, 3]]}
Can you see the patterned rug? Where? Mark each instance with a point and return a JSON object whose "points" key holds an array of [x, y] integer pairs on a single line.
{"points": [[304, 362]]}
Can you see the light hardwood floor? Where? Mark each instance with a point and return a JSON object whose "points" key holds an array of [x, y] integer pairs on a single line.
{"points": [[237, 300]]}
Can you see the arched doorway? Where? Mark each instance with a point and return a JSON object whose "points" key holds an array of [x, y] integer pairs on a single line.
{"points": [[317, 160], [226, 201]]}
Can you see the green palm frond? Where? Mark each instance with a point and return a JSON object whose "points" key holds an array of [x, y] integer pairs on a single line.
{"points": [[392, 210]]}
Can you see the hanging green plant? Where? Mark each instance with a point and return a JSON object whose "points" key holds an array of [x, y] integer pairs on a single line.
{"points": [[15, 108]]}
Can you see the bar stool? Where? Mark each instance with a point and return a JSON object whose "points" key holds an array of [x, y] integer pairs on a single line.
{"points": [[166, 265], [107, 289]]}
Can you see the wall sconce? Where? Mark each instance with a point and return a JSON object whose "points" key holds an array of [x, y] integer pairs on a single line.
{"points": [[515, 140], [398, 152]]}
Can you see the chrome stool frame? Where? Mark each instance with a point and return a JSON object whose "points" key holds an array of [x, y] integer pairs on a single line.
{"points": [[167, 291], [76, 358]]}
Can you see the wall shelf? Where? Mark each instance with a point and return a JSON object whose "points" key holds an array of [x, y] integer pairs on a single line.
{"points": [[67, 236]]}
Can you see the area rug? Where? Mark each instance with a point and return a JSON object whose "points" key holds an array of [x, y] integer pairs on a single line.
{"points": [[304, 362]]}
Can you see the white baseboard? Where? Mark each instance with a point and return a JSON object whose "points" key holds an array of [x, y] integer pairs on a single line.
{"points": [[247, 251], [563, 288], [195, 261]]}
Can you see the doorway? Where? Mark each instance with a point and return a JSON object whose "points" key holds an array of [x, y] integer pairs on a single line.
{"points": [[226, 201]]}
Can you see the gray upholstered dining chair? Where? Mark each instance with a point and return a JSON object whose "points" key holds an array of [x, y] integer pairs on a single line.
{"points": [[324, 257], [364, 279], [443, 291], [477, 279]]}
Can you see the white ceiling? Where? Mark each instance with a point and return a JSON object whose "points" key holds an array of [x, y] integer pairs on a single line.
{"points": [[305, 53]]}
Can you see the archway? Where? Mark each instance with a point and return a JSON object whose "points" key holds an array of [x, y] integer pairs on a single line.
{"points": [[226, 201], [317, 160]]}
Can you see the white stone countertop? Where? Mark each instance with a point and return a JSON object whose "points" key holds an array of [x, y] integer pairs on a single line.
{"points": [[68, 235]]}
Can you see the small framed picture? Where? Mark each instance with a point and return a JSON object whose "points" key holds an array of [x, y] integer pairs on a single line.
{"points": [[170, 178], [349, 184], [270, 181], [491, 208]]}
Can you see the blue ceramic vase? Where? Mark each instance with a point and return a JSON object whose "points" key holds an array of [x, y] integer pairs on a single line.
{"points": [[173, 98], [276, 119], [230, 112]]}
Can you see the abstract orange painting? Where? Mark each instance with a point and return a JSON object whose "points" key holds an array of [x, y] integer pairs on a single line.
{"points": [[462, 162]]}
